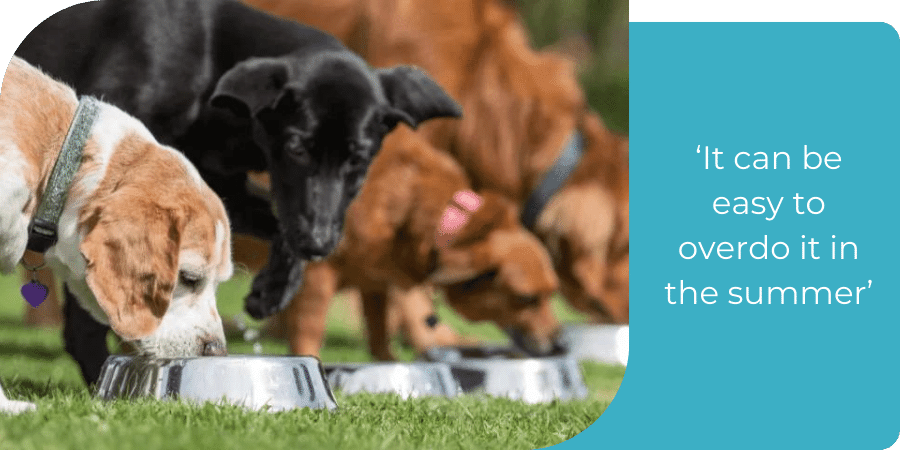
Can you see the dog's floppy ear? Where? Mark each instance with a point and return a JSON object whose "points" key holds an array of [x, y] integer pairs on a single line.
{"points": [[414, 97], [132, 265], [251, 86]]}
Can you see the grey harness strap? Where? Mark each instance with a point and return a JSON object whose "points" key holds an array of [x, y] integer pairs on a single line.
{"points": [[554, 179], [42, 232]]}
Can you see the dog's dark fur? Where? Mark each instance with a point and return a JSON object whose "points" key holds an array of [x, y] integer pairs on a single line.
{"points": [[236, 89]]}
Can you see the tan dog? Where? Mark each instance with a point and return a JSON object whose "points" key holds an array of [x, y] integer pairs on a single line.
{"points": [[415, 223], [520, 109], [143, 241]]}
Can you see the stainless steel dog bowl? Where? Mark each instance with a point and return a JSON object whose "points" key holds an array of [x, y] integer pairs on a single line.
{"points": [[409, 380], [603, 343], [273, 383], [504, 372]]}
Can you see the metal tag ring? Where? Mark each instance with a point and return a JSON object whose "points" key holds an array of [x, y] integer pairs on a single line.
{"points": [[34, 268]]}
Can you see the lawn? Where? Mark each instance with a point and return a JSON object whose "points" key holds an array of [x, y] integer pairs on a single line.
{"points": [[34, 366]]}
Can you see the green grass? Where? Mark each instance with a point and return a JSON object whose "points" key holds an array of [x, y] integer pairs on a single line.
{"points": [[34, 367]]}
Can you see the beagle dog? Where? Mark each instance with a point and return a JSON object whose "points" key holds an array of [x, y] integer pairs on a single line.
{"points": [[142, 243]]}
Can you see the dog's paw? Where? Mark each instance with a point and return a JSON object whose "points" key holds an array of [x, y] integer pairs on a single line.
{"points": [[256, 307], [15, 406]]}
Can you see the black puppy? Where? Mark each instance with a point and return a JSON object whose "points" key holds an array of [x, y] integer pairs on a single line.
{"points": [[237, 89]]}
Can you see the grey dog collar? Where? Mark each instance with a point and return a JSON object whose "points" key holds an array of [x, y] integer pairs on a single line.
{"points": [[42, 232], [553, 180]]}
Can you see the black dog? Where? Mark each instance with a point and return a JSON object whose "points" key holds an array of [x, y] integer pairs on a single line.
{"points": [[237, 89]]}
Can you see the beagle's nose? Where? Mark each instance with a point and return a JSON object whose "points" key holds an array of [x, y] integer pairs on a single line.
{"points": [[214, 347]]}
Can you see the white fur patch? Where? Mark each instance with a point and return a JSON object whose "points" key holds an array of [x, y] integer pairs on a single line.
{"points": [[14, 196], [84, 295], [223, 252], [188, 166], [220, 237]]}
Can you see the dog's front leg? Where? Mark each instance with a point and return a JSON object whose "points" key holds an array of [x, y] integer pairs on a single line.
{"points": [[418, 319], [277, 283], [306, 315], [375, 309], [84, 338]]}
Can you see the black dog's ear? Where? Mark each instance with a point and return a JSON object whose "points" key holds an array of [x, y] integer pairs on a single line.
{"points": [[251, 86], [414, 97]]}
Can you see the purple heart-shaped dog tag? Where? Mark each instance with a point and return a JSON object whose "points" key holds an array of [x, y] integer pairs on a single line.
{"points": [[35, 293]]}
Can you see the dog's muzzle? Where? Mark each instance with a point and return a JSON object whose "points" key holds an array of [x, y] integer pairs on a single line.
{"points": [[213, 347], [535, 346]]}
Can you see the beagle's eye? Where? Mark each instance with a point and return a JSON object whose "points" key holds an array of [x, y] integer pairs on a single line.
{"points": [[190, 280]]}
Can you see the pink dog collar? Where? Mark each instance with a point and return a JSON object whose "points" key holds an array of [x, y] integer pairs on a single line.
{"points": [[456, 215]]}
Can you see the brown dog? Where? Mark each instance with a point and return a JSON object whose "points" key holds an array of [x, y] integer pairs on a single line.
{"points": [[414, 223], [520, 109]]}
